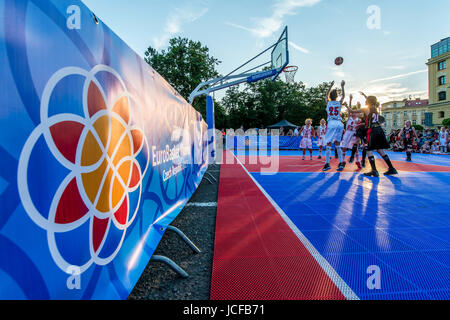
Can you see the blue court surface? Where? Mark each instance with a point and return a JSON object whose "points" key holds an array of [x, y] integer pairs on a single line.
{"points": [[431, 159], [400, 224]]}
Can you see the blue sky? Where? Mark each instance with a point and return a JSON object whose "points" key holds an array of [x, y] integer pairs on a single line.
{"points": [[388, 62]]}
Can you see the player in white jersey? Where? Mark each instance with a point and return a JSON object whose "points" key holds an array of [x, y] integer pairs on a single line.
{"points": [[321, 132], [307, 134], [335, 126], [443, 140]]}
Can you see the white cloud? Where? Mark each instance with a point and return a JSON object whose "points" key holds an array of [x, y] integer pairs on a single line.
{"points": [[339, 72], [189, 13], [400, 76], [387, 92], [297, 47], [265, 27]]}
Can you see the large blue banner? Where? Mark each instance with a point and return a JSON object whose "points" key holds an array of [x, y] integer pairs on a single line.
{"points": [[98, 154]]}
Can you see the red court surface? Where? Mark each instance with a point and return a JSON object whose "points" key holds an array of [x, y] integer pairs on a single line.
{"points": [[296, 164], [257, 255]]}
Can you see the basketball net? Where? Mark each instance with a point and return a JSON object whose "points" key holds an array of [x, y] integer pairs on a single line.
{"points": [[290, 73]]}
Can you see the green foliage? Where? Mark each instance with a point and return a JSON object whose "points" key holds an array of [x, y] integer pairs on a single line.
{"points": [[418, 127], [184, 64], [446, 122], [266, 102]]}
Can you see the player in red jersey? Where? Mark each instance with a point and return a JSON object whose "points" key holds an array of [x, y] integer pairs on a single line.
{"points": [[350, 140], [321, 132], [307, 134]]}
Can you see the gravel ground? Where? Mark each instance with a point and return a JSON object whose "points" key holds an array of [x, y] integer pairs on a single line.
{"points": [[159, 282]]}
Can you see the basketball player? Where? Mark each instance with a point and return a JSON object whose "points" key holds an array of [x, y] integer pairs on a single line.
{"points": [[335, 126], [307, 134], [321, 132], [408, 134], [443, 140], [376, 138], [349, 140]]}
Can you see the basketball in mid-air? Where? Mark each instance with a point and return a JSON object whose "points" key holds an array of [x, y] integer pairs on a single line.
{"points": [[339, 61]]}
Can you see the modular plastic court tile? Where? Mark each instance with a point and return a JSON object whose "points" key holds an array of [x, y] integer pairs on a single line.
{"points": [[244, 279], [420, 220], [354, 269], [419, 239], [439, 295], [424, 272], [332, 241], [295, 164], [384, 221], [347, 222], [272, 241], [266, 260], [399, 223], [235, 245], [409, 296], [443, 257], [377, 241], [310, 222], [441, 233], [298, 209], [299, 271]]}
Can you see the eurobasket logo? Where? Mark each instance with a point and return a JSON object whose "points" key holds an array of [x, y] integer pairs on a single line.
{"points": [[94, 159]]}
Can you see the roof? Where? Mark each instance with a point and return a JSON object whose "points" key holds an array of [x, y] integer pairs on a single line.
{"points": [[416, 103], [284, 123]]}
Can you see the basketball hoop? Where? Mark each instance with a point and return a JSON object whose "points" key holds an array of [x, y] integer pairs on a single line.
{"points": [[290, 72]]}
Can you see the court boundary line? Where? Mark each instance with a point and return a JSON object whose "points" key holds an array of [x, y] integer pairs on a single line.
{"points": [[343, 287]]}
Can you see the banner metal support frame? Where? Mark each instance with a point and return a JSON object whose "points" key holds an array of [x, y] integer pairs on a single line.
{"points": [[174, 266]]}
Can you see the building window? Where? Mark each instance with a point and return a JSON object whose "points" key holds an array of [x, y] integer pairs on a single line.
{"points": [[442, 96], [442, 80], [442, 65], [440, 48], [395, 123], [395, 105], [414, 113], [423, 121], [441, 114]]}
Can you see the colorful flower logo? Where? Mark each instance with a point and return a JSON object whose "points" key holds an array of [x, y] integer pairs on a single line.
{"points": [[106, 156]]}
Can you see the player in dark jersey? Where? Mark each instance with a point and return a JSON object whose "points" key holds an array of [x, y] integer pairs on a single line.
{"points": [[361, 133], [376, 139], [408, 134]]}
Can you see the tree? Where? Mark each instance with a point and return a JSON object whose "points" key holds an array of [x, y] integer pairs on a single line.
{"points": [[185, 64], [418, 127], [266, 102], [446, 122]]}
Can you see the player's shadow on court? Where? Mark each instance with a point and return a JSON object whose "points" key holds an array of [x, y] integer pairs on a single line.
{"points": [[372, 199], [339, 195], [324, 187], [394, 179]]}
